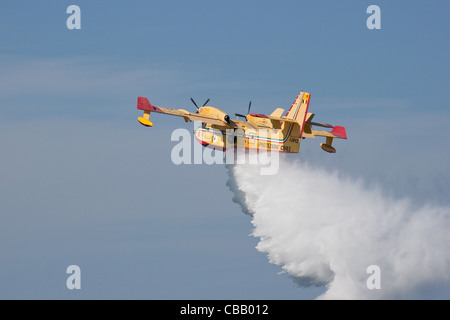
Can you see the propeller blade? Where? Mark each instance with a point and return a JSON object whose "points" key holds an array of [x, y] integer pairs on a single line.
{"points": [[251, 125], [205, 103], [194, 103], [249, 105], [240, 115]]}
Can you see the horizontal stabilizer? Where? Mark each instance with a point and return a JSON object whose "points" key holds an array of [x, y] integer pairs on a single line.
{"points": [[277, 113]]}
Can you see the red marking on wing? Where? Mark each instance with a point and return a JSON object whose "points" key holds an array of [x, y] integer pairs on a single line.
{"points": [[144, 104], [339, 132]]}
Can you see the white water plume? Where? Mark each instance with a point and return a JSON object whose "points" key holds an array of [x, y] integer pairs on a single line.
{"points": [[325, 229]]}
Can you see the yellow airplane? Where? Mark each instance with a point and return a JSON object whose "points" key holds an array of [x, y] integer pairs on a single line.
{"points": [[259, 131]]}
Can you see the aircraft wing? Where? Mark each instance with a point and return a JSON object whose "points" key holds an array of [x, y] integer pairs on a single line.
{"points": [[337, 132], [144, 104]]}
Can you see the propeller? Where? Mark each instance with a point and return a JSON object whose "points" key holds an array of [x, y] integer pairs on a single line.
{"points": [[226, 117], [248, 111], [195, 104]]}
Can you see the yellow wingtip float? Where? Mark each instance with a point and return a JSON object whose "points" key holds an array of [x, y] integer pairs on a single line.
{"points": [[273, 132], [145, 119], [145, 122]]}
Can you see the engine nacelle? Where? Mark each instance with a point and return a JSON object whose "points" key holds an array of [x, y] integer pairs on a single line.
{"points": [[215, 112]]}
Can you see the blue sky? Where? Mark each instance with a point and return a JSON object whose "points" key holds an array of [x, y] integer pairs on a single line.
{"points": [[81, 182]]}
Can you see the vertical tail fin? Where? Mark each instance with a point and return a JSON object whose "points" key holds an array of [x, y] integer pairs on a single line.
{"points": [[299, 108], [298, 112]]}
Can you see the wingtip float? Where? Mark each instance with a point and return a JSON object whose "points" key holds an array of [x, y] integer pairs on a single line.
{"points": [[259, 131]]}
